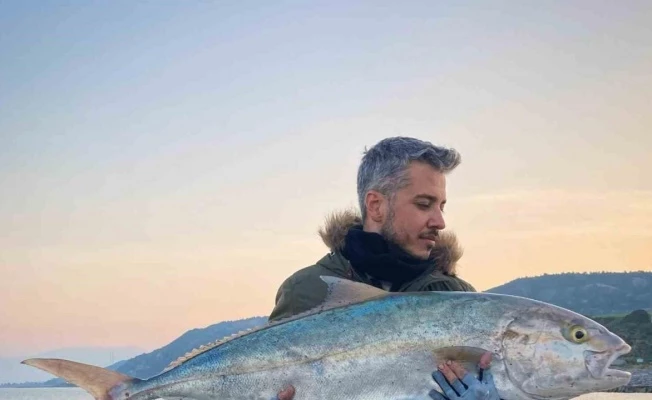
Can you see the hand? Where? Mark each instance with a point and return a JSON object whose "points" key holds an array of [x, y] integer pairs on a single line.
{"points": [[458, 384], [286, 394]]}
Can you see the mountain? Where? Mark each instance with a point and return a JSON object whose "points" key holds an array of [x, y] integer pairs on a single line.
{"points": [[149, 364], [11, 370], [592, 294]]}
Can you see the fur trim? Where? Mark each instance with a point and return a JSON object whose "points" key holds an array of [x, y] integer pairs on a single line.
{"points": [[336, 227], [447, 251]]}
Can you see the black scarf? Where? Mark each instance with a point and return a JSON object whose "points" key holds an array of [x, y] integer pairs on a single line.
{"points": [[370, 253]]}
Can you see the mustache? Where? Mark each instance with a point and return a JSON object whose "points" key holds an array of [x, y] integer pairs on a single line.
{"points": [[430, 235]]}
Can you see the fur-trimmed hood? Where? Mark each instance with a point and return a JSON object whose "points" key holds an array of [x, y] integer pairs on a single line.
{"points": [[446, 252]]}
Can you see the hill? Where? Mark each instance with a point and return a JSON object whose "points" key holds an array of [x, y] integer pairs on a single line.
{"points": [[149, 364], [598, 293]]}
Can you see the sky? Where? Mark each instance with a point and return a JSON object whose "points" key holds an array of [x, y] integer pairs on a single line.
{"points": [[166, 165]]}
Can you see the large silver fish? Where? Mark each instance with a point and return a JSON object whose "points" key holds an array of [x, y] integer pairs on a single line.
{"points": [[365, 343]]}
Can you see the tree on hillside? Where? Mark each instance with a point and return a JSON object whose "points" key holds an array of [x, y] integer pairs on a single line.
{"points": [[638, 317]]}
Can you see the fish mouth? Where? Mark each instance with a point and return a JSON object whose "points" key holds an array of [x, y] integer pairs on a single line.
{"points": [[598, 363]]}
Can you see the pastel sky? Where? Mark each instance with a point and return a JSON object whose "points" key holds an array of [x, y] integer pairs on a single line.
{"points": [[165, 165]]}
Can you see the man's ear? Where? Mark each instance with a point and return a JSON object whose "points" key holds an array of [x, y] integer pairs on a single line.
{"points": [[374, 202]]}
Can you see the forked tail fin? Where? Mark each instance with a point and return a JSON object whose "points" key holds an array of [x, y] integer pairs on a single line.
{"points": [[95, 380]]}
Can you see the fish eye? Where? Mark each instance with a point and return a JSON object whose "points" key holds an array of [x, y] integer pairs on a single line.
{"points": [[578, 334]]}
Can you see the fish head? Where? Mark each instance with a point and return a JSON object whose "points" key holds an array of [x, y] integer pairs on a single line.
{"points": [[553, 353]]}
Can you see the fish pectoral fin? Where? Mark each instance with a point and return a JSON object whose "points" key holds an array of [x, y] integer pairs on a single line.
{"points": [[467, 356], [95, 380], [343, 291]]}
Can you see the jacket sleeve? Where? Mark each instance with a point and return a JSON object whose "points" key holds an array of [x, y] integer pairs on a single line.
{"points": [[450, 284], [285, 301], [296, 295]]}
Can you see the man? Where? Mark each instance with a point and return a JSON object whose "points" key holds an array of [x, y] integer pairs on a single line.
{"points": [[395, 243]]}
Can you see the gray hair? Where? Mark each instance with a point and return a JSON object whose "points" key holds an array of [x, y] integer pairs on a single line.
{"points": [[384, 166]]}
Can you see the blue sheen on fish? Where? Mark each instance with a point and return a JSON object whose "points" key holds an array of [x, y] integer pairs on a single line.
{"points": [[364, 343]]}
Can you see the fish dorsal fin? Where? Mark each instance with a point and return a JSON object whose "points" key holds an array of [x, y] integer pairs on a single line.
{"points": [[205, 347], [340, 292], [343, 291]]}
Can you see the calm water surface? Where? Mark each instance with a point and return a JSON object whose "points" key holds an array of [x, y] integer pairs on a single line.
{"points": [[78, 394], [45, 394]]}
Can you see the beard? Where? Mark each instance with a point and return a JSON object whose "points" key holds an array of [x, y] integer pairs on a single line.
{"points": [[388, 231]]}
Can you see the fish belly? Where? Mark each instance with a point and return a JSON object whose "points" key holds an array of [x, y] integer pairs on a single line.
{"points": [[389, 376]]}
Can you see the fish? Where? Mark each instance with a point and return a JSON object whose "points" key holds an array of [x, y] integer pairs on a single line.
{"points": [[364, 343]]}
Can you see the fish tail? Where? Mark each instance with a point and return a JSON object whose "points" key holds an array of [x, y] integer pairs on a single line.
{"points": [[95, 380]]}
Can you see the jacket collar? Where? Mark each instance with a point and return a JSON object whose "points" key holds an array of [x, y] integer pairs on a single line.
{"points": [[447, 251]]}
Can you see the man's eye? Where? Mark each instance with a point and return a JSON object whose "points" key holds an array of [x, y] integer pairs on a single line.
{"points": [[423, 205]]}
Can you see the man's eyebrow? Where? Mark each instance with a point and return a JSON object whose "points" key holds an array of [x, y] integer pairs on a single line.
{"points": [[426, 196], [429, 197]]}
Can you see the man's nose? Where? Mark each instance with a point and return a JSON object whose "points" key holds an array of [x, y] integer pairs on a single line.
{"points": [[437, 220]]}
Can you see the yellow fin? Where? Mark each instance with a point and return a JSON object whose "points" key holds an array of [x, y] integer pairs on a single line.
{"points": [[467, 356], [95, 380], [459, 353], [342, 292]]}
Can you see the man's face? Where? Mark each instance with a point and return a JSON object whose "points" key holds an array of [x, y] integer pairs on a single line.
{"points": [[415, 215]]}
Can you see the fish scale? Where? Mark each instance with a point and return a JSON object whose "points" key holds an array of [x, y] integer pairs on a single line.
{"points": [[365, 343]]}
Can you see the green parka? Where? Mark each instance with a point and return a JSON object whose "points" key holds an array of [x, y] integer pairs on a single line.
{"points": [[304, 290]]}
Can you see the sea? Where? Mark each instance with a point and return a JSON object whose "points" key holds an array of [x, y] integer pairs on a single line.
{"points": [[79, 394]]}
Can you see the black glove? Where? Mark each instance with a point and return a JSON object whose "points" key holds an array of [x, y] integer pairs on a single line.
{"points": [[468, 388]]}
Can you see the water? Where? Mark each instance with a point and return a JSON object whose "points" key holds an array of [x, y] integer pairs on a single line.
{"points": [[45, 394], [79, 394]]}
